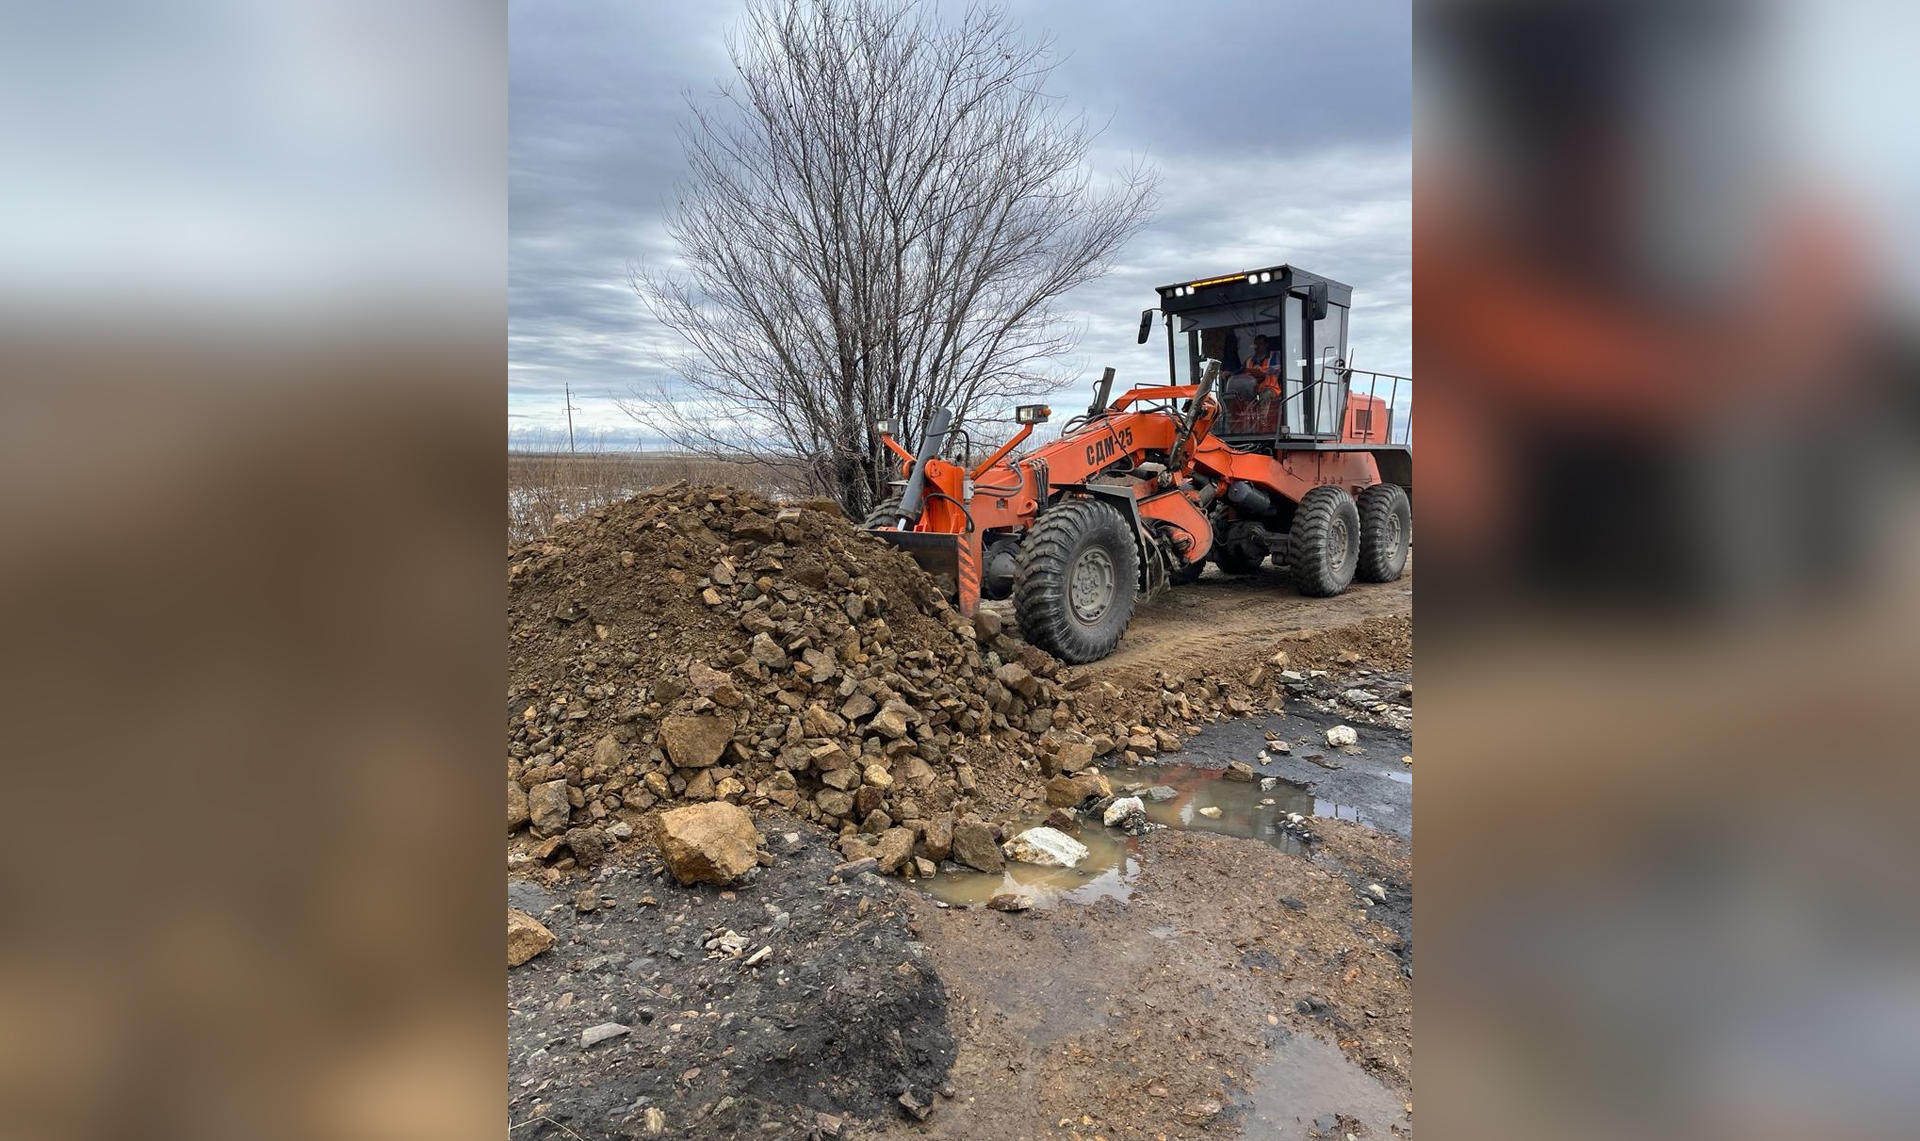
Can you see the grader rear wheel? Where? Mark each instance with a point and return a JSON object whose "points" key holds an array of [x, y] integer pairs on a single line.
{"points": [[1077, 580], [1386, 528]]}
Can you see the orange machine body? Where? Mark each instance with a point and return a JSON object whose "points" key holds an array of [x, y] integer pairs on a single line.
{"points": [[1125, 451]]}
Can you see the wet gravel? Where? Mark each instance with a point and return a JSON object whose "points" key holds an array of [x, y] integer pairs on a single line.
{"points": [[840, 1017], [1372, 786]]}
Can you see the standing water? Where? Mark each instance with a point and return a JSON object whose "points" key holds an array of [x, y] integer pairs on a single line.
{"points": [[1174, 796]]}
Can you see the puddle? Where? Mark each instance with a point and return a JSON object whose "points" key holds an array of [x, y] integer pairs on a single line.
{"points": [[1304, 1079], [1113, 862], [1401, 778], [1108, 872]]}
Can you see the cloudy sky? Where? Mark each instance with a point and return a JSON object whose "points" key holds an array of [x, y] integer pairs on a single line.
{"points": [[1282, 130]]}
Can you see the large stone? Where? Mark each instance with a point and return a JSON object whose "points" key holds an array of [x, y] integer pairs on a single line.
{"points": [[845, 779], [517, 813], [914, 773], [526, 937], [606, 754], [833, 802], [1067, 757], [589, 845], [768, 653], [714, 684], [893, 721], [817, 721], [973, 846], [857, 706], [709, 843], [936, 841], [1342, 735], [893, 849], [695, 740], [1048, 847], [1122, 811], [548, 807], [1068, 791]]}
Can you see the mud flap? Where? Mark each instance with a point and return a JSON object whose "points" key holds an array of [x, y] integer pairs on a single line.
{"points": [[951, 560], [1122, 498]]}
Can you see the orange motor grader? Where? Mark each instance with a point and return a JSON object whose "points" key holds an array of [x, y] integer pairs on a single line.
{"points": [[1290, 453]]}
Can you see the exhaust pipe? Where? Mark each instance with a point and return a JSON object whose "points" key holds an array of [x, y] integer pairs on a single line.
{"points": [[930, 441], [1102, 392]]}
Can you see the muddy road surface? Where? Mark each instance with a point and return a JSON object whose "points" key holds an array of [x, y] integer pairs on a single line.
{"points": [[1237, 973], [1234, 618]]}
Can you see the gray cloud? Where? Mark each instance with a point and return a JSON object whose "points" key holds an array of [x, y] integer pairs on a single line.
{"points": [[1283, 131]]}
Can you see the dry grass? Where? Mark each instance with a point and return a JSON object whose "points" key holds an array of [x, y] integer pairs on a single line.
{"points": [[545, 486]]}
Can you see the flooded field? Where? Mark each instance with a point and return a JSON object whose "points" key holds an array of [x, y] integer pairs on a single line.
{"points": [[1185, 797]]}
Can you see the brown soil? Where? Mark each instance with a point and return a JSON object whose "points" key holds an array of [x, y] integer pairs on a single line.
{"points": [[626, 616], [1241, 992], [1133, 1022], [1232, 620]]}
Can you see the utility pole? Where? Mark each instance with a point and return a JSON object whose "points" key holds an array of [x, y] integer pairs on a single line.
{"points": [[569, 391]]}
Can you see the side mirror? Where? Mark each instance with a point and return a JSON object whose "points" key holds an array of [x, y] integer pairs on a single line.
{"points": [[1146, 326], [1316, 301]]}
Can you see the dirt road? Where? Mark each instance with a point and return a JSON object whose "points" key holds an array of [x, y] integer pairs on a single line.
{"points": [[1203, 1006], [1236, 618]]}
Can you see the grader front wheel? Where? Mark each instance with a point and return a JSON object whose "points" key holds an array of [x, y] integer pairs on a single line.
{"points": [[1323, 548], [1077, 580]]}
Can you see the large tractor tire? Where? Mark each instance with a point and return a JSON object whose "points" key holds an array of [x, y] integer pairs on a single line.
{"points": [[885, 514], [1323, 548], [1386, 529], [1077, 580]]}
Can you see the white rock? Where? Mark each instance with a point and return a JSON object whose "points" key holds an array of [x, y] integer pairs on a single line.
{"points": [[1342, 735], [1048, 847], [1122, 808], [1295, 818], [594, 1035], [1377, 892], [1211, 812]]}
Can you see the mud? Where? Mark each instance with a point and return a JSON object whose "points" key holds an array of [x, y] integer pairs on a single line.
{"points": [[843, 1015], [1240, 992]]}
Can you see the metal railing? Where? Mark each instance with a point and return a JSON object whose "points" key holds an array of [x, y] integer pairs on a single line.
{"points": [[1394, 411], [1301, 410]]}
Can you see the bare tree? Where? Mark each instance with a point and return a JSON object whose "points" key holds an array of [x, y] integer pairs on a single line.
{"points": [[881, 210]]}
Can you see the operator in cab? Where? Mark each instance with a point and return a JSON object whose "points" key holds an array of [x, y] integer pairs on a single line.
{"points": [[1264, 364]]}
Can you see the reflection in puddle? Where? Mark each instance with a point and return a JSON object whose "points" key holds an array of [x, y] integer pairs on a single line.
{"points": [[1402, 778], [1246, 809], [1305, 1080]]}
